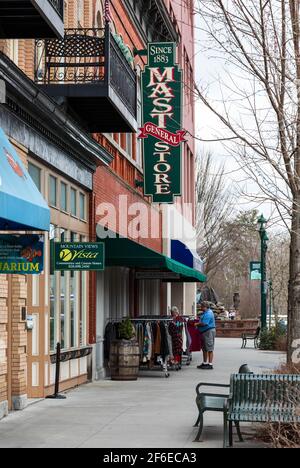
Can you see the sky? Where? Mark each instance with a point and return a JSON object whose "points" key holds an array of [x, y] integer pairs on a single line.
{"points": [[209, 127]]}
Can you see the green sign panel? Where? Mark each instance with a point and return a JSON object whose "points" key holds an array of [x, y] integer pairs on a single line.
{"points": [[79, 256], [162, 119], [255, 271], [21, 254]]}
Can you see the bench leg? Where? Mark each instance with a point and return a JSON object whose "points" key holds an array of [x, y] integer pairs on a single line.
{"points": [[197, 422], [238, 430], [230, 434], [200, 418], [225, 432]]}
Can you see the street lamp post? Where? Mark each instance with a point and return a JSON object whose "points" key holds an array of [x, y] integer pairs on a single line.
{"points": [[270, 302], [264, 285]]}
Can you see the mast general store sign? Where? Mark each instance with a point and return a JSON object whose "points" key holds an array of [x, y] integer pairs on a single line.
{"points": [[79, 256], [22, 254], [162, 133]]}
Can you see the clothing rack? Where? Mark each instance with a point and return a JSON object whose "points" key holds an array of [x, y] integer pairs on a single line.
{"points": [[160, 363], [163, 363]]}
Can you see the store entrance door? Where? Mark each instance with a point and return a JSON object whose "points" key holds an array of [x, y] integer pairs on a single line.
{"points": [[38, 337]]}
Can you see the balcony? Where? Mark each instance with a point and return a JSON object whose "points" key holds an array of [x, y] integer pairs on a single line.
{"points": [[89, 74], [31, 19]]}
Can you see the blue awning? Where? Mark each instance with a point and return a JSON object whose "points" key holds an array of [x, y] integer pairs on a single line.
{"points": [[181, 253], [22, 206]]}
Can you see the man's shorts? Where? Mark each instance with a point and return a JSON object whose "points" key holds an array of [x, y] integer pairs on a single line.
{"points": [[208, 340]]}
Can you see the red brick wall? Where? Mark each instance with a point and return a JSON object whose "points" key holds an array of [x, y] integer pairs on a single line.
{"points": [[108, 187]]}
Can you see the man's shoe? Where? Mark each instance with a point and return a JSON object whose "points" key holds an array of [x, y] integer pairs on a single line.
{"points": [[209, 367], [203, 366]]}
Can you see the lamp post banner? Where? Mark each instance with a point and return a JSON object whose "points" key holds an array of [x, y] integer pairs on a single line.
{"points": [[162, 133]]}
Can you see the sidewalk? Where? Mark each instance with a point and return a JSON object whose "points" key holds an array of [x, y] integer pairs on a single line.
{"points": [[152, 412]]}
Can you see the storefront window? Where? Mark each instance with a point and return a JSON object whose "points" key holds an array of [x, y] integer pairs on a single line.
{"points": [[63, 297], [63, 305], [68, 301], [73, 298], [82, 318]]}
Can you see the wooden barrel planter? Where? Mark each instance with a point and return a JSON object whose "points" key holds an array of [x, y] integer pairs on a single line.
{"points": [[124, 360]]}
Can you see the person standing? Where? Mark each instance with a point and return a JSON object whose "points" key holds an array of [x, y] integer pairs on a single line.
{"points": [[207, 328], [175, 330]]}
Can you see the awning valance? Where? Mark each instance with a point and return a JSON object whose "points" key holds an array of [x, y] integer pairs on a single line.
{"points": [[121, 251], [22, 206], [183, 254]]}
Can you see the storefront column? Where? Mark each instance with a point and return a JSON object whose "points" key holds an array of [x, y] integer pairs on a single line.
{"points": [[3, 346], [190, 298], [18, 299], [177, 296], [166, 302]]}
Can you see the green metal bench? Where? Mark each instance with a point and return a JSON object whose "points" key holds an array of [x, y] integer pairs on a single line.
{"points": [[213, 402], [254, 336], [261, 398]]}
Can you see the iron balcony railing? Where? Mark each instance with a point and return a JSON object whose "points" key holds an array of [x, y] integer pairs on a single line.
{"points": [[84, 57], [58, 6]]}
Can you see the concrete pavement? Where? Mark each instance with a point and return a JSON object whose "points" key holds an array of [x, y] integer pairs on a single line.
{"points": [[153, 412]]}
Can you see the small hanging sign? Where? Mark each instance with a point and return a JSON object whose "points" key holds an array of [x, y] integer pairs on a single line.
{"points": [[79, 256]]}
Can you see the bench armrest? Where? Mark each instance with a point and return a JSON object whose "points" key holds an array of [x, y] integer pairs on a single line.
{"points": [[205, 384]]}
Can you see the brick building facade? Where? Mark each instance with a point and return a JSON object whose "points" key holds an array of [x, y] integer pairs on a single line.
{"points": [[66, 155]]}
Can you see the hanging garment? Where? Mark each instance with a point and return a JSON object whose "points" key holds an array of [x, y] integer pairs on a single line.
{"points": [[188, 338], [153, 333], [176, 341], [139, 328], [195, 335], [170, 346], [184, 339], [164, 346], [157, 340], [148, 343]]}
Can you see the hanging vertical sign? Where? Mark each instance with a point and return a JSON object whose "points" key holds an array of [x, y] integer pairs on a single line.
{"points": [[162, 120]]}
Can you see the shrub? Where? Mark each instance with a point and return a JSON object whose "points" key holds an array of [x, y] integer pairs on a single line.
{"points": [[281, 435], [273, 339], [126, 330]]}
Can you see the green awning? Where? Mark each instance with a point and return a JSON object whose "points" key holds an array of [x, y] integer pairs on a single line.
{"points": [[124, 252]]}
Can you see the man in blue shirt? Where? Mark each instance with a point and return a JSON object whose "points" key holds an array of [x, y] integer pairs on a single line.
{"points": [[207, 328]]}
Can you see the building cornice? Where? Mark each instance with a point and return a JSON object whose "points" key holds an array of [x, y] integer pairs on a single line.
{"points": [[45, 116], [158, 25]]}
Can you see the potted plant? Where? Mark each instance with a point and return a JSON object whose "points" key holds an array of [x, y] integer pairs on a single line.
{"points": [[125, 353]]}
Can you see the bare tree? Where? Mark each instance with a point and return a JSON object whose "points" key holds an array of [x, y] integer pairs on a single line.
{"points": [[214, 209], [259, 109], [278, 270]]}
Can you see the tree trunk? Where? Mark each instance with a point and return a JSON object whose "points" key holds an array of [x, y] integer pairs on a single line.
{"points": [[294, 283]]}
